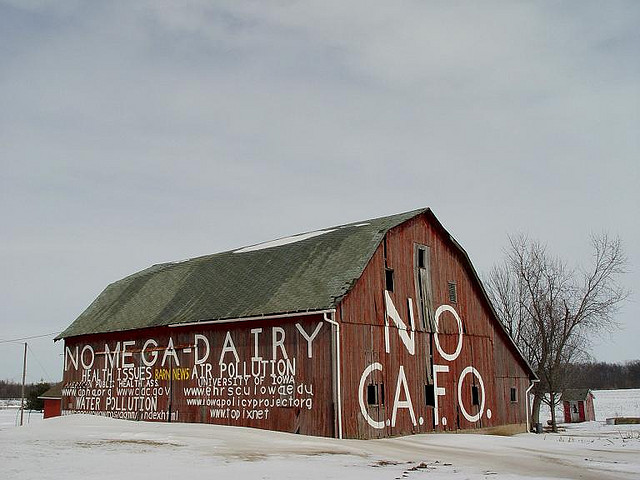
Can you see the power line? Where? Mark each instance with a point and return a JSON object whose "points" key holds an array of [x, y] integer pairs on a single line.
{"points": [[13, 340], [33, 354]]}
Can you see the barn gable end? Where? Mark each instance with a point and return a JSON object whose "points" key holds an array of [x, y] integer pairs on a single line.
{"points": [[454, 367]]}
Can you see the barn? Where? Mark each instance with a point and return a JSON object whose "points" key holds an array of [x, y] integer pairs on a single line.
{"points": [[373, 329]]}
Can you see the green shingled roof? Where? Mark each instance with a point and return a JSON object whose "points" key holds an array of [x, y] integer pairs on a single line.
{"points": [[54, 392], [313, 272], [575, 394]]}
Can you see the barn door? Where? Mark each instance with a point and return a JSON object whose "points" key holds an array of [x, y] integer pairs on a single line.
{"points": [[424, 300], [422, 269], [575, 412]]}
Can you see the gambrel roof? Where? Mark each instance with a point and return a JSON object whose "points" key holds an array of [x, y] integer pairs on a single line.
{"points": [[575, 394], [307, 272]]}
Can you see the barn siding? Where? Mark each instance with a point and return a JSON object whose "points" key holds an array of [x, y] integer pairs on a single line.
{"points": [[52, 407], [485, 347], [226, 388]]}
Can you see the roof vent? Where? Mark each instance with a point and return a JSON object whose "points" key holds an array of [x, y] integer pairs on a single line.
{"points": [[453, 292]]}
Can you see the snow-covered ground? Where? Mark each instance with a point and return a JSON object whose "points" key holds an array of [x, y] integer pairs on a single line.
{"points": [[617, 403], [88, 447], [10, 414]]}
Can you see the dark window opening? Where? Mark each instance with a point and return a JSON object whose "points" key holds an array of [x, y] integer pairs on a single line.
{"points": [[514, 394], [429, 396], [475, 397], [421, 263], [453, 293], [389, 279], [375, 394], [372, 395]]}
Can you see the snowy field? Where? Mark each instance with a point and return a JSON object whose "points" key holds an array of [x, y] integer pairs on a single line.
{"points": [[88, 447], [10, 414], [607, 404], [617, 403]]}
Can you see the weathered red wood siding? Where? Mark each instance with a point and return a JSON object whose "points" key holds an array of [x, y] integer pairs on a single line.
{"points": [[590, 413], [286, 388], [485, 347], [581, 412], [52, 407], [567, 412]]}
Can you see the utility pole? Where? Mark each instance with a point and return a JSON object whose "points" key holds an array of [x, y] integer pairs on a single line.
{"points": [[24, 376]]}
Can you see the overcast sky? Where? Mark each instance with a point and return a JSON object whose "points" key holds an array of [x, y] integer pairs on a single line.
{"points": [[133, 133]]}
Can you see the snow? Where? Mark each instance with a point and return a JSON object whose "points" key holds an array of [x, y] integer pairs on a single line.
{"points": [[283, 241], [92, 447], [10, 414], [292, 239], [616, 403]]}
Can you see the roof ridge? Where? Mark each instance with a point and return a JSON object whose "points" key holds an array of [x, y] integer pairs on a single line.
{"points": [[306, 272]]}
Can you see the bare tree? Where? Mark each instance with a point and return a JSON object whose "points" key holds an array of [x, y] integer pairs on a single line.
{"points": [[552, 311]]}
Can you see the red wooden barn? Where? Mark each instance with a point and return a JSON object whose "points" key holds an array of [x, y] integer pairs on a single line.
{"points": [[578, 405], [371, 329]]}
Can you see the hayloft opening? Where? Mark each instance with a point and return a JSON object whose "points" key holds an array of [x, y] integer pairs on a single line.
{"points": [[388, 275], [453, 292]]}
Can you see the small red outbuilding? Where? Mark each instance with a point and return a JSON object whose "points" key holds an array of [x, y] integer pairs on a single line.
{"points": [[52, 401], [578, 405]]}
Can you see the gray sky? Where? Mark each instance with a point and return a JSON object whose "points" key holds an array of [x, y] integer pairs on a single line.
{"points": [[133, 133]]}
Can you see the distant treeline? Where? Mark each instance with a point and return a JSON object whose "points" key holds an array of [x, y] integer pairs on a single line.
{"points": [[10, 389], [605, 376]]}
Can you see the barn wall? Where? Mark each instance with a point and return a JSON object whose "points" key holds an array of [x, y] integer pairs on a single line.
{"points": [[52, 407], [412, 362], [590, 413], [566, 406], [272, 374]]}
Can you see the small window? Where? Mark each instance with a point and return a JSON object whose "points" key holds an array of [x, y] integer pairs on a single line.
{"points": [[421, 262], [372, 395], [453, 292], [429, 397], [389, 279], [475, 397], [375, 394], [514, 394]]}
